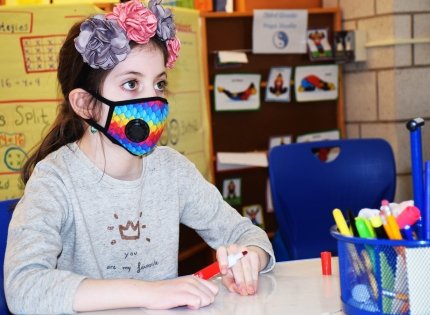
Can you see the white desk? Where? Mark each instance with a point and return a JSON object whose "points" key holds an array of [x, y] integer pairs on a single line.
{"points": [[294, 287]]}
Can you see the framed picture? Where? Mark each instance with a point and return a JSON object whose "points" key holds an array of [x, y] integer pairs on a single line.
{"points": [[324, 154], [319, 136], [344, 42], [278, 85], [235, 92], [316, 83], [318, 45], [279, 140], [255, 214], [231, 191]]}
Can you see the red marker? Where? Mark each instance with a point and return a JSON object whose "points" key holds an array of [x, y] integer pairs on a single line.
{"points": [[213, 269]]}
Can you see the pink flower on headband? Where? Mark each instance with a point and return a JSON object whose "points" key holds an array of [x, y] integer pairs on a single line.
{"points": [[104, 39], [138, 21], [173, 47]]}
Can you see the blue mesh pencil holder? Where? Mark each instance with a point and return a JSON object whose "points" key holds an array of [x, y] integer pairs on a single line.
{"points": [[383, 276]]}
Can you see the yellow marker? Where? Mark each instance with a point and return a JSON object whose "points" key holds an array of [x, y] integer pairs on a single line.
{"points": [[341, 223], [394, 227], [369, 270]]}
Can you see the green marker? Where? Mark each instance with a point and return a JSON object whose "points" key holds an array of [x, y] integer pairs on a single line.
{"points": [[363, 228], [364, 232]]}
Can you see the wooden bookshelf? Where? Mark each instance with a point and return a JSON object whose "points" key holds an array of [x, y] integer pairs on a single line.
{"points": [[245, 131]]}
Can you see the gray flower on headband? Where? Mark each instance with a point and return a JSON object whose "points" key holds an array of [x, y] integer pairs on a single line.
{"points": [[102, 43], [165, 26]]}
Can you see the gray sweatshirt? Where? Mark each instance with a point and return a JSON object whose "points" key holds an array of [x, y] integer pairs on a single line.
{"points": [[75, 222]]}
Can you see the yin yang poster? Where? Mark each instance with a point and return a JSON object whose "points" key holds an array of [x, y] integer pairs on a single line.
{"points": [[279, 31]]}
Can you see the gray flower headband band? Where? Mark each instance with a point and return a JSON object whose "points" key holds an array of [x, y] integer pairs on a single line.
{"points": [[104, 39]]}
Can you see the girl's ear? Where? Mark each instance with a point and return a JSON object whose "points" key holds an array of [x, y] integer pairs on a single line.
{"points": [[80, 101]]}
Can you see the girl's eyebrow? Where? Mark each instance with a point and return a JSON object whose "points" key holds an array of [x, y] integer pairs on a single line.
{"points": [[136, 73]]}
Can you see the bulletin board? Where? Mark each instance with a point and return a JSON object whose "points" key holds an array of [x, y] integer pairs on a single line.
{"points": [[31, 36], [188, 125]]}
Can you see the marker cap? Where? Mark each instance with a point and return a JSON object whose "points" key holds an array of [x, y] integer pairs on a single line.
{"points": [[409, 216], [326, 263]]}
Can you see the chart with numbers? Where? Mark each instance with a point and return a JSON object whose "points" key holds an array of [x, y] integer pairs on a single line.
{"points": [[31, 37], [40, 53]]}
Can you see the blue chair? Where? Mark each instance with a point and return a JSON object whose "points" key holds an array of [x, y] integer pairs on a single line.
{"points": [[5, 216], [305, 190]]}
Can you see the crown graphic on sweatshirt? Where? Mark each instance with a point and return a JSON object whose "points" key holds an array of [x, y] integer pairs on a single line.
{"points": [[130, 231]]}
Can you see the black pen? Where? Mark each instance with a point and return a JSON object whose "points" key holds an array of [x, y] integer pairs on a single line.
{"points": [[376, 223], [352, 226]]}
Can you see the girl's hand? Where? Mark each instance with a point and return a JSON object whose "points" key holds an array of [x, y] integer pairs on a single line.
{"points": [[242, 278], [189, 290]]}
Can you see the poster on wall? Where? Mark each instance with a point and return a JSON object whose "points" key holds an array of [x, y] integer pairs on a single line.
{"points": [[316, 83], [237, 92], [279, 140], [279, 31], [318, 45], [255, 214], [187, 129], [30, 41], [278, 85], [231, 191]]}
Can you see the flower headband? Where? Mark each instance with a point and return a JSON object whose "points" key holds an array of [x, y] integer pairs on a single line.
{"points": [[104, 39]]}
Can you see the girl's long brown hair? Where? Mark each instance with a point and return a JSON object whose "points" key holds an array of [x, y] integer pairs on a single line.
{"points": [[68, 126], [73, 73]]}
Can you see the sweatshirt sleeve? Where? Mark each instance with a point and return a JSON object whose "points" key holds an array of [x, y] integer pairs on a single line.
{"points": [[32, 282], [219, 224]]}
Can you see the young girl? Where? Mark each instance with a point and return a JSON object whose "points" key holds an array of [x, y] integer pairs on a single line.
{"points": [[98, 225]]}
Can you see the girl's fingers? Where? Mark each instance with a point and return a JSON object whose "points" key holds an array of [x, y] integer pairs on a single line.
{"points": [[243, 276], [221, 255], [255, 266], [200, 293], [229, 283], [248, 271], [239, 278], [213, 288]]}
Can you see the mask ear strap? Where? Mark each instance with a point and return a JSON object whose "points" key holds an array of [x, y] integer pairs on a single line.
{"points": [[111, 105], [100, 98], [94, 124]]}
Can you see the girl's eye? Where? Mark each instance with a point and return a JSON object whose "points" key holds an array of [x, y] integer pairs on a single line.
{"points": [[161, 85], [130, 85]]}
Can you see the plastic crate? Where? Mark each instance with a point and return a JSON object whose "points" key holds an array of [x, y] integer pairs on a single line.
{"points": [[383, 276]]}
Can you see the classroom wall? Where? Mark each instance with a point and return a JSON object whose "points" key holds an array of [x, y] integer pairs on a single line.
{"points": [[393, 85]]}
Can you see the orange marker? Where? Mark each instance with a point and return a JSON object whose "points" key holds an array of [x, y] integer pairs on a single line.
{"points": [[393, 227], [386, 227]]}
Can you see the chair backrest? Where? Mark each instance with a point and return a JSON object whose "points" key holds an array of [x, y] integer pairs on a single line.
{"points": [[305, 190], [5, 216]]}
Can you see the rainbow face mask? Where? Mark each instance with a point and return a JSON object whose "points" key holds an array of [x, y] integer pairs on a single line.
{"points": [[136, 125]]}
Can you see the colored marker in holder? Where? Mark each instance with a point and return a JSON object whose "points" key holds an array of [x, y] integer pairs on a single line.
{"points": [[414, 127], [376, 222], [409, 216]]}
